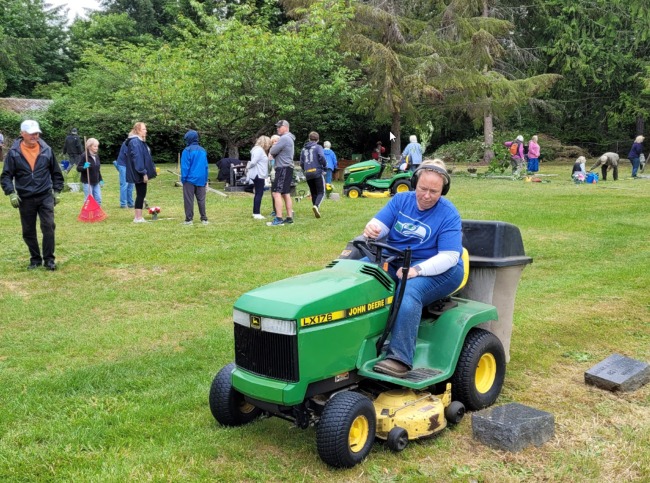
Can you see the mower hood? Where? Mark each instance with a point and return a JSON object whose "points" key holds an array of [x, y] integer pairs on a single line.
{"points": [[341, 286]]}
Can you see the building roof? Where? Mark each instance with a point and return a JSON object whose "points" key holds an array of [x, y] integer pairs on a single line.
{"points": [[22, 105]]}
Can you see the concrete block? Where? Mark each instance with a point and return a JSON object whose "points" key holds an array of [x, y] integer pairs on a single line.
{"points": [[512, 427], [618, 373]]}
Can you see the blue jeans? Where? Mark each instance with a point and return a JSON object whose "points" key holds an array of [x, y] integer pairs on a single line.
{"points": [[635, 166], [126, 189], [95, 190], [328, 176], [420, 291]]}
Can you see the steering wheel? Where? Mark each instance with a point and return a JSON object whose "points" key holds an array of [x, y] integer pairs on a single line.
{"points": [[377, 255]]}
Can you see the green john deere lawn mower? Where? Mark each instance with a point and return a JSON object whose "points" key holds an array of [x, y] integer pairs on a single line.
{"points": [[375, 179], [305, 348]]}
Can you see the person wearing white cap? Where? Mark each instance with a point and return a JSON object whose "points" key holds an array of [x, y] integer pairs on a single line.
{"points": [[32, 179], [516, 149]]}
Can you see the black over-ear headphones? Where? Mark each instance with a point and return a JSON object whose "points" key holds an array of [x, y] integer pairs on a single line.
{"points": [[436, 169]]}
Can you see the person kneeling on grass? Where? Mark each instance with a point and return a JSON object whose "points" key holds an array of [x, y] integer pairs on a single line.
{"points": [[430, 224]]}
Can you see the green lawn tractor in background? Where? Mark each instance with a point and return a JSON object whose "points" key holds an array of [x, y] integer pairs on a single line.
{"points": [[365, 179], [305, 348]]}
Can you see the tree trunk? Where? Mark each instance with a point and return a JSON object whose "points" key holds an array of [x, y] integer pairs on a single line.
{"points": [[488, 137], [395, 128], [640, 125], [233, 150]]}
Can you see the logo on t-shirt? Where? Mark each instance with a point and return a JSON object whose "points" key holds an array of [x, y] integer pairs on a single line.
{"points": [[411, 228]]}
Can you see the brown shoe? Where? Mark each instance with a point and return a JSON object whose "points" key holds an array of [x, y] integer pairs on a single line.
{"points": [[391, 367]]}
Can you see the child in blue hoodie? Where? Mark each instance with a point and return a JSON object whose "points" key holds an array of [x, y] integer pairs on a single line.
{"points": [[194, 176]]}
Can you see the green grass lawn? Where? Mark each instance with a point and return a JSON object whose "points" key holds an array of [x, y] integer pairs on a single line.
{"points": [[105, 364]]}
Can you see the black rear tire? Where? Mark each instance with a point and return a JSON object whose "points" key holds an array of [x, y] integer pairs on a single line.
{"points": [[480, 370], [346, 431], [227, 405]]}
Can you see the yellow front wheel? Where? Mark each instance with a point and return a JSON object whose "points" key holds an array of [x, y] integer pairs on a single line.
{"points": [[346, 430], [358, 435], [354, 192]]}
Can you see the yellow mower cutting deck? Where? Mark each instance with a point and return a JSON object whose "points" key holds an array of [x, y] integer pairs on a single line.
{"points": [[404, 414]]}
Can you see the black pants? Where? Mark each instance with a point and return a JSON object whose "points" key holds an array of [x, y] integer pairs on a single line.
{"points": [[614, 172], [317, 190], [189, 192], [140, 193], [43, 207], [259, 192]]}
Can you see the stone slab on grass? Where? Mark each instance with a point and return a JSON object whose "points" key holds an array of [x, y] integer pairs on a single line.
{"points": [[512, 427], [618, 373]]}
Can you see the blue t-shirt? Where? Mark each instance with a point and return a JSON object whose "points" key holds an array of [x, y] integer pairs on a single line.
{"points": [[427, 232], [414, 151]]}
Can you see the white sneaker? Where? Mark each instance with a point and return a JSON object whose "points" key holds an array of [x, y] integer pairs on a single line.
{"points": [[139, 220], [316, 211], [187, 223], [259, 217], [205, 222]]}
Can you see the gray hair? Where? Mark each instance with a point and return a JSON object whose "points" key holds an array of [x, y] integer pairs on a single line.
{"points": [[413, 138], [327, 145]]}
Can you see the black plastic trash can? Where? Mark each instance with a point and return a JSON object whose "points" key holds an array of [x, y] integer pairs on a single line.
{"points": [[496, 261]]}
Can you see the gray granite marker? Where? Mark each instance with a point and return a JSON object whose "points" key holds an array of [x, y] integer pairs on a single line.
{"points": [[618, 373], [512, 427]]}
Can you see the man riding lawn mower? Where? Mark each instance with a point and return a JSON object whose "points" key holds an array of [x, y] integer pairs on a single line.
{"points": [[306, 347]]}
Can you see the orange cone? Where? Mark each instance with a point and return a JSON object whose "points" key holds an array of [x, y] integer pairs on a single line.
{"points": [[91, 212]]}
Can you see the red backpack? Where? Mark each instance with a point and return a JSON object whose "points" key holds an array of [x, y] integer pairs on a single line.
{"points": [[514, 148]]}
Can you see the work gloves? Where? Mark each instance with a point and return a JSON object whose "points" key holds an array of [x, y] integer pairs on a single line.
{"points": [[101, 183], [15, 200], [86, 165], [57, 197]]}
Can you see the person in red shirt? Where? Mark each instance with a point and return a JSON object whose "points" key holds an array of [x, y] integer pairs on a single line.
{"points": [[378, 151]]}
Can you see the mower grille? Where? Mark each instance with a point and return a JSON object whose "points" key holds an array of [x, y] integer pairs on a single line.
{"points": [[266, 353]]}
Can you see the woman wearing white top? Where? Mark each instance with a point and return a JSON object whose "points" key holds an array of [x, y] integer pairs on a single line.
{"points": [[257, 170]]}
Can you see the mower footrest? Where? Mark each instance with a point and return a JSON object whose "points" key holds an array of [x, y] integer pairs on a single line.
{"points": [[421, 374]]}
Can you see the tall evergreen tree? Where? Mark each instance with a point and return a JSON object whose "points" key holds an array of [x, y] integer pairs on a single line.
{"points": [[487, 82], [397, 54], [601, 48]]}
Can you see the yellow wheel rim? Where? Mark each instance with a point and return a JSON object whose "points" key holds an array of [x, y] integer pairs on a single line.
{"points": [[358, 434], [245, 408], [353, 194], [486, 373], [402, 188]]}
